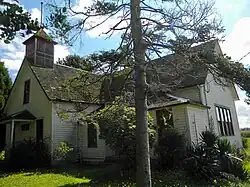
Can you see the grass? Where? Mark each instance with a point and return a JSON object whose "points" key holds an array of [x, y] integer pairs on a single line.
{"points": [[247, 162], [101, 176], [36, 179], [95, 177]]}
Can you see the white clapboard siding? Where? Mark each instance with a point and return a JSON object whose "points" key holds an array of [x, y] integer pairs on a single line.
{"points": [[192, 93], [224, 96], [38, 105], [181, 120], [66, 129], [91, 154], [198, 122]]}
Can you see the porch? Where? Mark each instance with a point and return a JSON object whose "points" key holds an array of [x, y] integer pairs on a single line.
{"points": [[20, 126], [188, 117]]}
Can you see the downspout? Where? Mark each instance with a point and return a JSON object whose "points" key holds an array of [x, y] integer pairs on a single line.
{"points": [[205, 100], [196, 132], [188, 125]]}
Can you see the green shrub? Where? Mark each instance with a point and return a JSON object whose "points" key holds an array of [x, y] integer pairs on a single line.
{"points": [[170, 149], [224, 146], [245, 134], [208, 138], [2, 155], [118, 128], [245, 143], [63, 150], [211, 158], [29, 154], [202, 162], [238, 170]]}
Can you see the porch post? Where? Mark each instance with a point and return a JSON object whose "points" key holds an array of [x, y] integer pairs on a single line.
{"points": [[12, 133]]}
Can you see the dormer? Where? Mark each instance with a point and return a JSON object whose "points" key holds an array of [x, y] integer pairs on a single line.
{"points": [[40, 49]]}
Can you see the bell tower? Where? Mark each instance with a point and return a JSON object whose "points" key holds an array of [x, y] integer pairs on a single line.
{"points": [[40, 49]]}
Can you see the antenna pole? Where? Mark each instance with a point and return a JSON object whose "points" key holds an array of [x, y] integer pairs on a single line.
{"points": [[41, 14]]}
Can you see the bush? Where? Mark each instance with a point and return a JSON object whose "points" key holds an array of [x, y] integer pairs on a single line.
{"points": [[202, 162], [245, 143], [63, 150], [29, 154], [245, 134], [208, 138], [2, 155], [212, 157], [170, 148], [118, 128], [224, 146]]}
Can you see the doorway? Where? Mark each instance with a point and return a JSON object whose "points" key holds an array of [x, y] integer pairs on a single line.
{"points": [[2, 136], [39, 130]]}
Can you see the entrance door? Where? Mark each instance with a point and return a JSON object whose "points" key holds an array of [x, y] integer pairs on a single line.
{"points": [[2, 136], [39, 130]]}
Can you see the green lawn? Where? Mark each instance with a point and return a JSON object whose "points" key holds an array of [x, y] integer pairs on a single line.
{"points": [[247, 163], [34, 179], [106, 176], [74, 178]]}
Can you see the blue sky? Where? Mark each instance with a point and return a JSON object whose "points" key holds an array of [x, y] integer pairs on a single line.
{"points": [[236, 19]]}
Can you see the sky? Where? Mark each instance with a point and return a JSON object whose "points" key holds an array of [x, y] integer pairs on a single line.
{"points": [[234, 13]]}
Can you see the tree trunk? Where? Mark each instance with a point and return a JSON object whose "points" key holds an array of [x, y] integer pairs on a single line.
{"points": [[143, 172]]}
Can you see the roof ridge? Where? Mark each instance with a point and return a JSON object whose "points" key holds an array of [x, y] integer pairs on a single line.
{"points": [[68, 67]]}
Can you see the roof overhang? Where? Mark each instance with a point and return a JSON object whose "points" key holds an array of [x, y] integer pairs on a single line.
{"points": [[175, 102], [24, 115]]}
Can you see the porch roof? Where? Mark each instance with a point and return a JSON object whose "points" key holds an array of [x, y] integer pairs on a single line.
{"points": [[173, 102], [22, 115]]}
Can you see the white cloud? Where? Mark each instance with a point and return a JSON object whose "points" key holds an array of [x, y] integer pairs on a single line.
{"points": [[103, 27], [13, 53], [12, 1], [35, 14], [61, 52], [237, 45]]}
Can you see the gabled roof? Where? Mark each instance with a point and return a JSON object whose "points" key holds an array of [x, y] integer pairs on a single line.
{"points": [[24, 115], [163, 73], [54, 83], [173, 101], [52, 79], [167, 68], [40, 34]]}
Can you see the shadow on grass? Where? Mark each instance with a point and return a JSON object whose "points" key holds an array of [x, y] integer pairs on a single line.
{"points": [[96, 175], [99, 175]]}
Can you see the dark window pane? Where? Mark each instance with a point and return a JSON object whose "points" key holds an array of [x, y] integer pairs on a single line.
{"points": [[223, 110], [25, 127], [26, 94], [92, 136]]}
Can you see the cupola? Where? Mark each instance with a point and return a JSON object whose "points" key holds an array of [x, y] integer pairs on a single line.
{"points": [[40, 49]]}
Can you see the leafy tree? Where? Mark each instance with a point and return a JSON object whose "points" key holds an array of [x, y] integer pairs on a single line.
{"points": [[97, 62], [13, 18], [118, 128], [5, 85], [149, 29]]}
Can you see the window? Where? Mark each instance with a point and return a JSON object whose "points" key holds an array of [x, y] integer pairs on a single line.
{"points": [[92, 136], [26, 95], [164, 117], [224, 121], [25, 127]]}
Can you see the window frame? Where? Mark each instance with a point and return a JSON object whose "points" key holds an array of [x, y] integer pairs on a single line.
{"points": [[25, 127], [26, 92], [224, 120], [92, 140]]}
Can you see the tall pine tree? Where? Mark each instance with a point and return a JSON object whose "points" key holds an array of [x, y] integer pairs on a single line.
{"points": [[5, 85]]}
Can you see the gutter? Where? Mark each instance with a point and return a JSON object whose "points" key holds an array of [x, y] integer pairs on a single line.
{"points": [[205, 99]]}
